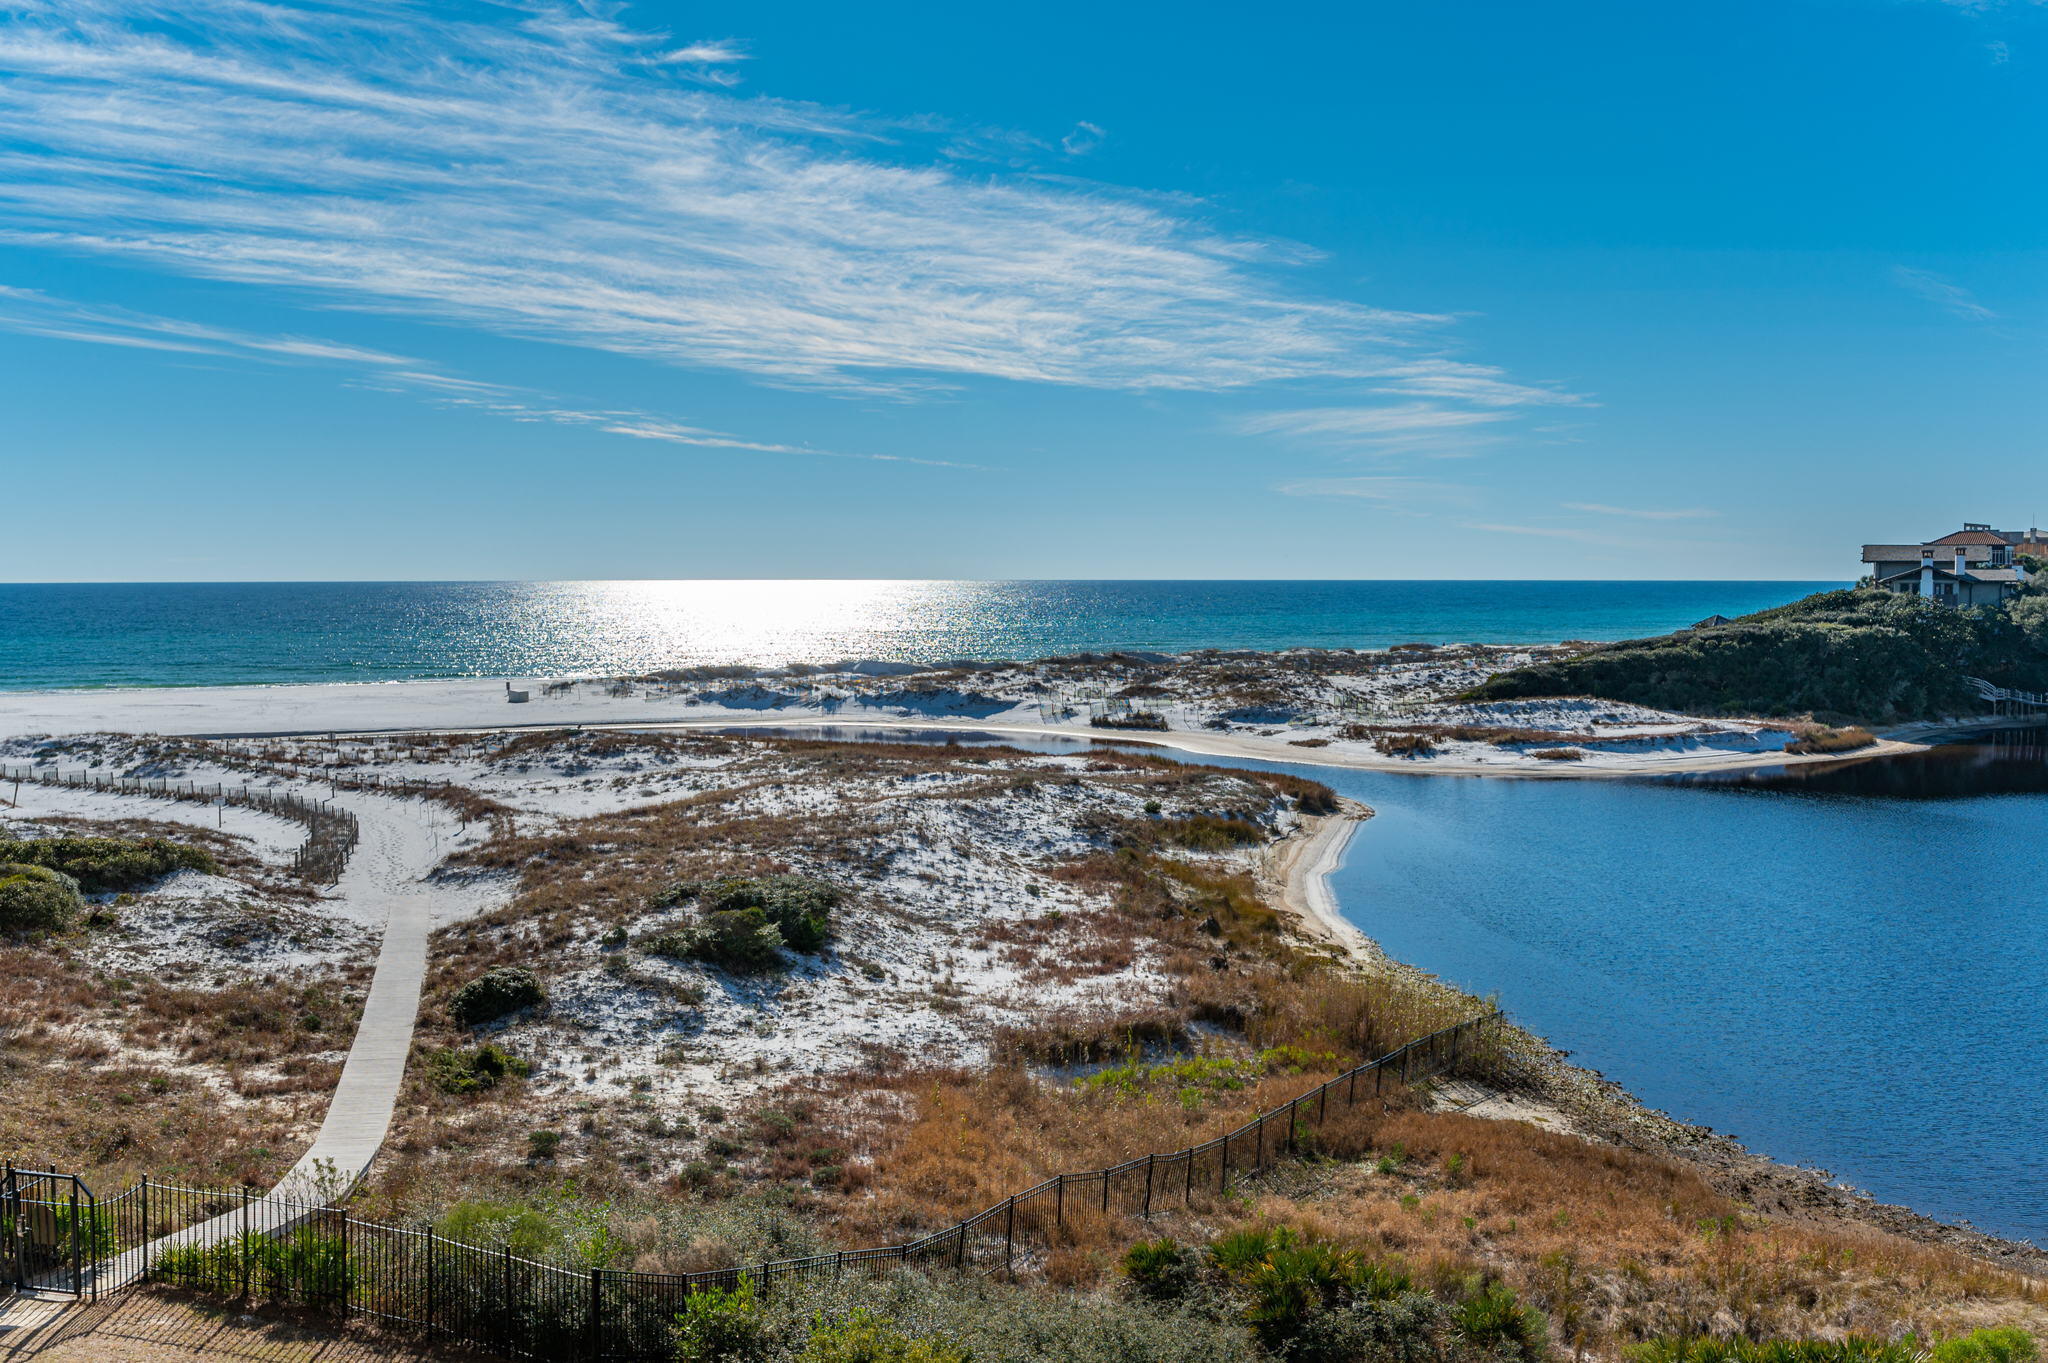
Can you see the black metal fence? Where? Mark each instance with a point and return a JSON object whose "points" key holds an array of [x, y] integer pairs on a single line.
{"points": [[239, 1245], [49, 1232], [331, 833]]}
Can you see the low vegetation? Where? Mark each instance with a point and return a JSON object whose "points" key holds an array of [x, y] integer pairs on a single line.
{"points": [[1137, 719], [1978, 1346], [745, 921], [1313, 1300], [1823, 738], [108, 865], [35, 899], [1861, 654], [496, 993]]}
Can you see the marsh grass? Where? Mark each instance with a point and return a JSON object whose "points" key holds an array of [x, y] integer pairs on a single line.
{"points": [[1822, 738]]}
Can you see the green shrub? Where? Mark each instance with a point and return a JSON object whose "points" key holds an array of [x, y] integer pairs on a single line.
{"points": [[527, 1231], [740, 940], [718, 1325], [36, 899], [1877, 655], [864, 1337], [1241, 1251], [305, 1267], [473, 1071], [1986, 1346], [495, 993], [105, 865], [1495, 1320], [1163, 1270], [800, 907], [543, 1144], [1294, 1282], [1407, 1328]]}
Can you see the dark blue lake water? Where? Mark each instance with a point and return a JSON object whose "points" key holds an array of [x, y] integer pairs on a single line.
{"points": [[1847, 972]]}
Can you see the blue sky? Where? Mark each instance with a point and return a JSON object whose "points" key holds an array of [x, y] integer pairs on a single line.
{"points": [[1601, 290]]}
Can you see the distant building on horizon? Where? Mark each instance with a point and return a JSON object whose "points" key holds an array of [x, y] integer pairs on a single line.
{"points": [[1974, 566]]}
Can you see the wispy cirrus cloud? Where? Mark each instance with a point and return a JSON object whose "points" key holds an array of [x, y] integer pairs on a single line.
{"points": [[1421, 428], [1690, 513], [713, 53], [1456, 408], [1558, 532], [1482, 384], [1950, 297], [1387, 488], [1084, 138], [549, 173], [35, 313]]}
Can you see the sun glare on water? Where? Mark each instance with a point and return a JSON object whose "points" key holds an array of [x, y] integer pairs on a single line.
{"points": [[647, 625]]}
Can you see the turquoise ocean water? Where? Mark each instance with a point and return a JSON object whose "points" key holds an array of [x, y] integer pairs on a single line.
{"points": [[206, 634]]}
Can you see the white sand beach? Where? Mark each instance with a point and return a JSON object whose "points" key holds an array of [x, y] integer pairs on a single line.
{"points": [[1026, 700]]}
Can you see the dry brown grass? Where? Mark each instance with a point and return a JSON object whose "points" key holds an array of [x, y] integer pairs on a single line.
{"points": [[115, 1077], [1821, 738], [1617, 1245]]}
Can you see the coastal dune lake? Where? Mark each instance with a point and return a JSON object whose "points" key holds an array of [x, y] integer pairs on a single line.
{"points": [[1846, 969], [1844, 966]]}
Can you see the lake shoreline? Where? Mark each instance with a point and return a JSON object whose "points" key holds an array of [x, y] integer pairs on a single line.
{"points": [[1559, 1095]]}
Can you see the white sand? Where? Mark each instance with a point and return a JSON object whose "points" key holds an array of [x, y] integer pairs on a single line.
{"points": [[1636, 741]]}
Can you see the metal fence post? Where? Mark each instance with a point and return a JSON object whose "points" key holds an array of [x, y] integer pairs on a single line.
{"points": [[596, 1337], [429, 1322], [1150, 1160], [1010, 1236], [77, 1246], [247, 1242]]}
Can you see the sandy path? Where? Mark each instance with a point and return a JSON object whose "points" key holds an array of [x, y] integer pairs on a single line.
{"points": [[401, 842]]}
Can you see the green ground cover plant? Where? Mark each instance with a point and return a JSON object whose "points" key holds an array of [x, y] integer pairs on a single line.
{"points": [[746, 921], [108, 865], [495, 994], [1862, 654], [35, 899], [1979, 1346]]}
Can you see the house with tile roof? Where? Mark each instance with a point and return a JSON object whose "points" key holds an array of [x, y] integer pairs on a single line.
{"points": [[1973, 566]]}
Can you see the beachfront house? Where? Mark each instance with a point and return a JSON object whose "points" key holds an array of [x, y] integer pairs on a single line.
{"points": [[1975, 566]]}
